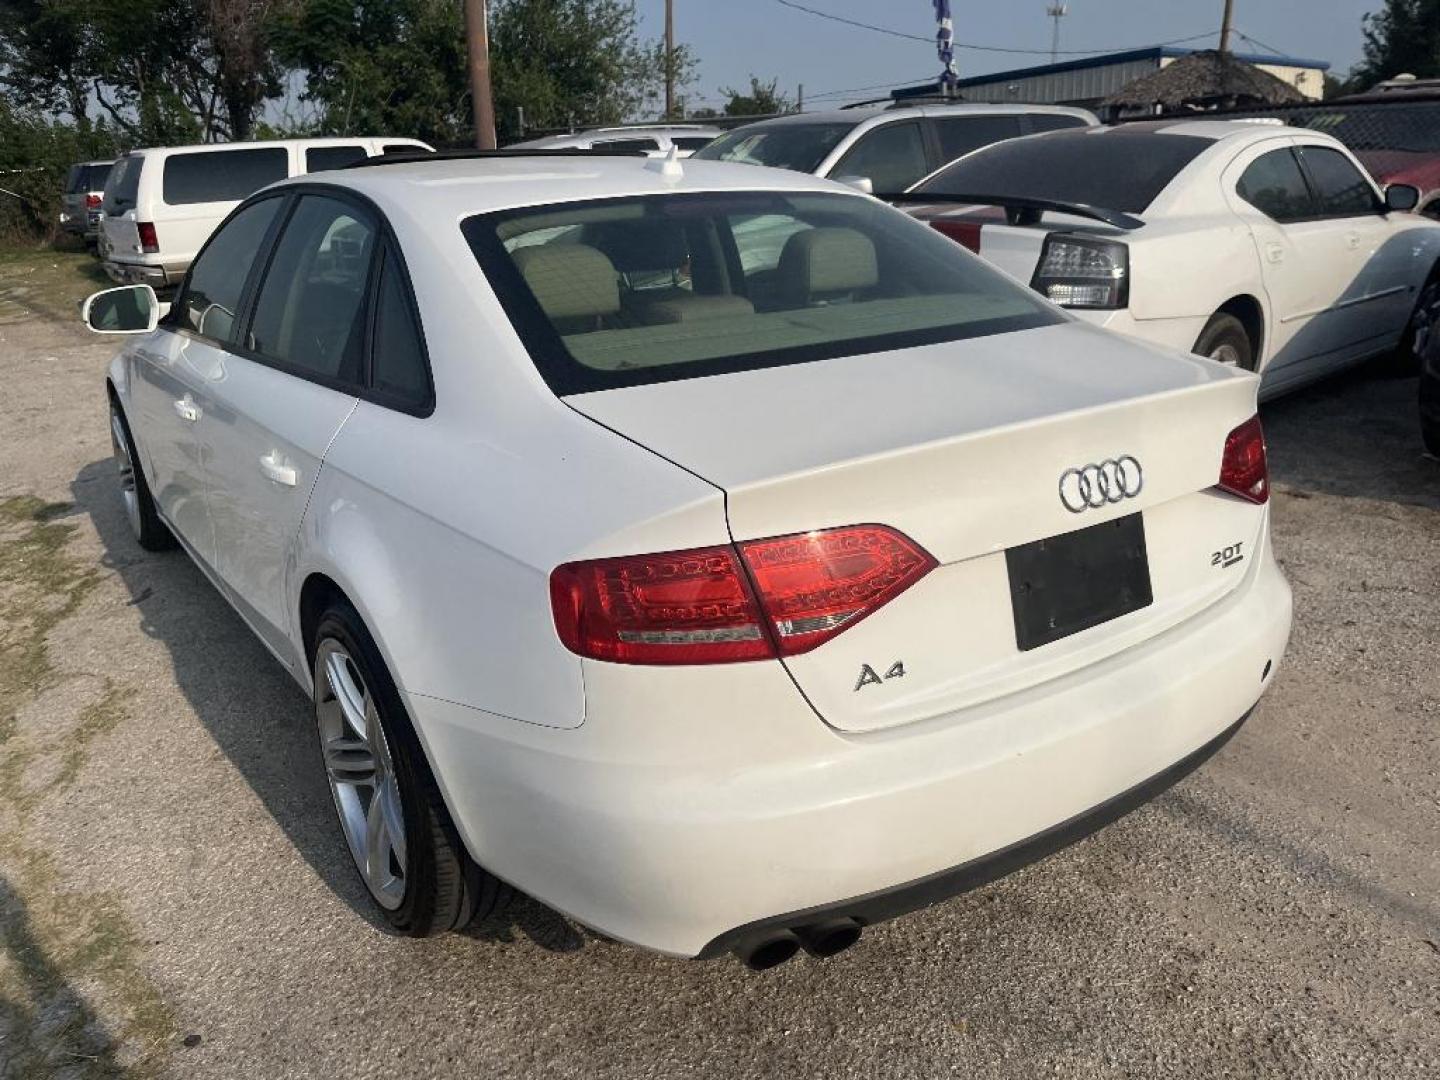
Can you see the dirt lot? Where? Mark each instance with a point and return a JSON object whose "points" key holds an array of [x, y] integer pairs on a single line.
{"points": [[175, 898]]}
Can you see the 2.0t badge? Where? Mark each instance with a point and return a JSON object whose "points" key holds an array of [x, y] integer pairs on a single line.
{"points": [[1089, 487]]}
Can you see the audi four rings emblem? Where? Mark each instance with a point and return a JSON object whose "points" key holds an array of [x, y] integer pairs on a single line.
{"points": [[1090, 487]]}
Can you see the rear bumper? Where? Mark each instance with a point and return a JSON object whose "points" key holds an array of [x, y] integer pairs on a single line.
{"points": [[697, 806], [125, 273]]}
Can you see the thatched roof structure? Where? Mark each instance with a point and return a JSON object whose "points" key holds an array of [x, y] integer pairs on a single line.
{"points": [[1205, 80]]}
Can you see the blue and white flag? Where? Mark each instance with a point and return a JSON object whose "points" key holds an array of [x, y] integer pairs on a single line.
{"points": [[945, 42]]}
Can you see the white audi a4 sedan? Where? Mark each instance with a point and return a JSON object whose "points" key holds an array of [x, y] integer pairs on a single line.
{"points": [[1262, 246], [723, 603]]}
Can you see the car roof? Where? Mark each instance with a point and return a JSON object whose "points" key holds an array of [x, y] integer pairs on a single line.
{"points": [[445, 188], [632, 132], [330, 140], [1254, 129], [856, 115]]}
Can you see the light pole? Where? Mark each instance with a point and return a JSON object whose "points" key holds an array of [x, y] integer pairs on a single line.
{"points": [[669, 59], [1056, 12]]}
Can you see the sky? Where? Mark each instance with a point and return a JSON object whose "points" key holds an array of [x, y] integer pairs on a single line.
{"points": [[737, 38]]}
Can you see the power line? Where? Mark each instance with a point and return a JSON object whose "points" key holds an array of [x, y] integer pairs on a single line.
{"points": [[1254, 41], [981, 48]]}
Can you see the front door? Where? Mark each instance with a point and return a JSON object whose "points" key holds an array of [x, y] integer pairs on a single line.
{"points": [[173, 377], [285, 392]]}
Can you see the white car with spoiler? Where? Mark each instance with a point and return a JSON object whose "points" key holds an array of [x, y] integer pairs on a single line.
{"points": [[724, 600], [1261, 246]]}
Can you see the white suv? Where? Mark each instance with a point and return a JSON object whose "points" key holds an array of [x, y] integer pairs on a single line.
{"points": [[885, 149], [719, 602], [162, 204], [684, 139]]}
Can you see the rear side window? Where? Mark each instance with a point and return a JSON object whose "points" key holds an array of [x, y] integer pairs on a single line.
{"points": [[1041, 122], [222, 175], [626, 144], [211, 298], [398, 368], [645, 289], [1340, 188], [405, 148], [961, 134], [1116, 169], [309, 312], [123, 185], [1275, 186], [891, 157], [692, 142], [320, 158]]}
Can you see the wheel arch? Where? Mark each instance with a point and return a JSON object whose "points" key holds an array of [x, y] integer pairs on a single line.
{"points": [[1251, 313]]}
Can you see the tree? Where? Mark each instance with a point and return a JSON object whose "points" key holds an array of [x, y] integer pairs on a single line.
{"points": [[764, 99], [1402, 37]]}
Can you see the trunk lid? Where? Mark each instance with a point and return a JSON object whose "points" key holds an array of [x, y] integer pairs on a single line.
{"points": [[961, 447]]}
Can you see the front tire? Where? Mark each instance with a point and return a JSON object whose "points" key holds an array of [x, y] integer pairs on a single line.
{"points": [[1420, 332], [399, 833], [1225, 341], [145, 525]]}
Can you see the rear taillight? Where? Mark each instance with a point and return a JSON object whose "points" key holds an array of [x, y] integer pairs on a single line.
{"points": [[92, 202], [1243, 469], [762, 599], [149, 242], [1083, 272], [966, 233]]}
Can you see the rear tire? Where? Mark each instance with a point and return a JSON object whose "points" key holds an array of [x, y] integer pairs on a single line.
{"points": [[400, 835], [1225, 341], [149, 531], [1430, 397]]}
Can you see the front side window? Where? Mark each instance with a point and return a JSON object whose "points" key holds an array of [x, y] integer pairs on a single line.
{"points": [[1275, 186], [891, 157], [1041, 122], [222, 175], [309, 313], [784, 145], [691, 142], [212, 292], [749, 280], [320, 158], [1340, 188]]}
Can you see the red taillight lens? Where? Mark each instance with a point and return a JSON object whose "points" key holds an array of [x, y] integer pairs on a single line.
{"points": [[966, 233], [699, 606], [92, 202], [1243, 469], [149, 242], [817, 584], [680, 607]]}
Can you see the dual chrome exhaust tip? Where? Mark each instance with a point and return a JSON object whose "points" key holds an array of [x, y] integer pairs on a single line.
{"points": [[820, 939]]}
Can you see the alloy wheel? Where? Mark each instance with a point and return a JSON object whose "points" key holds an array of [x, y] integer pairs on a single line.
{"points": [[1226, 353], [1423, 322], [361, 772]]}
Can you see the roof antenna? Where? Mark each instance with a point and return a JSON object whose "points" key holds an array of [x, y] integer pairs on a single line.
{"points": [[668, 166]]}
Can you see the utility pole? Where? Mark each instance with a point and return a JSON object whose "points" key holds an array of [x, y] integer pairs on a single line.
{"points": [[1225, 24], [669, 59], [1056, 12], [477, 40]]}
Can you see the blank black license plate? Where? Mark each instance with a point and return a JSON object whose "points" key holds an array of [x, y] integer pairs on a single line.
{"points": [[1065, 584]]}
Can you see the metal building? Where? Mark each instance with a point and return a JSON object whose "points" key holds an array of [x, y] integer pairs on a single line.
{"points": [[1089, 81]]}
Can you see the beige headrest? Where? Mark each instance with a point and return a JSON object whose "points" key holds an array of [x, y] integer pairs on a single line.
{"points": [[571, 281], [693, 308], [826, 262]]}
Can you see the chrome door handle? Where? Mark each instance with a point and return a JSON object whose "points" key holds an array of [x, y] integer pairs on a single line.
{"points": [[273, 467], [187, 410]]}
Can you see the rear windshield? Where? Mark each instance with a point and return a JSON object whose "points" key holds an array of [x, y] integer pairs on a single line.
{"points": [[122, 184], [1116, 170], [801, 147], [222, 175], [84, 178], [622, 292]]}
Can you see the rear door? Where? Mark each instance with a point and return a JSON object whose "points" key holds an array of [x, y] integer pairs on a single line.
{"points": [[294, 378]]}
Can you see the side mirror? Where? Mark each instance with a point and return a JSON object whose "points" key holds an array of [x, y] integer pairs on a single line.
{"points": [[1402, 197], [130, 309], [859, 183]]}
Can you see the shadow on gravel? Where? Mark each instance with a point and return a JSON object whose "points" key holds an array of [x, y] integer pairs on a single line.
{"points": [[1357, 434], [253, 710], [46, 1026]]}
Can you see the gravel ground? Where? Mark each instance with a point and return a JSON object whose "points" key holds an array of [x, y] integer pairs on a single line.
{"points": [[175, 898]]}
